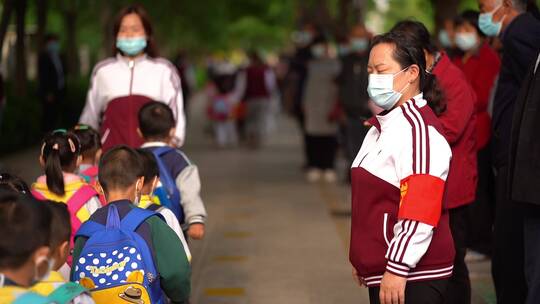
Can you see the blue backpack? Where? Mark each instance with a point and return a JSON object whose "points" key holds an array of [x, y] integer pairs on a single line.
{"points": [[114, 253], [168, 194]]}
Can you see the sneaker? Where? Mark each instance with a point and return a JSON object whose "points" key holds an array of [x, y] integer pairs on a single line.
{"points": [[313, 175], [330, 176]]}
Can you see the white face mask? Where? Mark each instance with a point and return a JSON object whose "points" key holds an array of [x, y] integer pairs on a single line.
{"points": [[381, 90], [40, 277], [466, 41]]}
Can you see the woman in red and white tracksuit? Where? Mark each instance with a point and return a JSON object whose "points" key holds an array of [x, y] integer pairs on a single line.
{"points": [[121, 85], [401, 245]]}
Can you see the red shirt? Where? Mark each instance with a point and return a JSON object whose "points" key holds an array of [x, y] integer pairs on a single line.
{"points": [[481, 69], [458, 122]]}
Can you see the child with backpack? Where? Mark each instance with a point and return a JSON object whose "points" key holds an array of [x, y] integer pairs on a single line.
{"points": [[60, 157], [178, 176], [59, 252], [25, 257], [221, 111], [126, 254], [90, 152], [151, 202]]}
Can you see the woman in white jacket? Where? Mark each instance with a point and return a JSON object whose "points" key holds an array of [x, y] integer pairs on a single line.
{"points": [[121, 85]]}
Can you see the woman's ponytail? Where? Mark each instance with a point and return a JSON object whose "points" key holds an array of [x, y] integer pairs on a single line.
{"points": [[53, 172], [433, 94]]}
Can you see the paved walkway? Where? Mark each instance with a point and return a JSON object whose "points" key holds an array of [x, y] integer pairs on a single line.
{"points": [[271, 236]]}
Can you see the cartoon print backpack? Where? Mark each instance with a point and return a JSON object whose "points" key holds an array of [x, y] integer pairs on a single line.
{"points": [[74, 204], [168, 193], [116, 262]]}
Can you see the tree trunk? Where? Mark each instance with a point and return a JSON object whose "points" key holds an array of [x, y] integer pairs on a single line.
{"points": [[444, 9], [4, 22], [42, 8], [359, 11], [20, 48], [72, 51], [344, 13]]}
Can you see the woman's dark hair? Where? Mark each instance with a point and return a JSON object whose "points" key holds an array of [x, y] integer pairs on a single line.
{"points": [[150, 166], [10, 182], [25, 226], [413, 37], [59, 150], [151, 49], [89, 139], [408, 52], [470, 17], [60, 223]]}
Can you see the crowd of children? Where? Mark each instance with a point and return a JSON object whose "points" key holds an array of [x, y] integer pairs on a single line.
{"points": [[102, 227]]}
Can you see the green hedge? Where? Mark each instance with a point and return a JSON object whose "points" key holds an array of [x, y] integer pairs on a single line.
{"points": [[21, 123]]}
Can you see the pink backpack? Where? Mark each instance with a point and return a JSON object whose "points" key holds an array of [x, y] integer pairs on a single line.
{"points": [[74, 204]]}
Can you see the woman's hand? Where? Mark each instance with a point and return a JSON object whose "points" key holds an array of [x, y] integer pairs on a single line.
{"points": [[358, 279], [392, 289]]}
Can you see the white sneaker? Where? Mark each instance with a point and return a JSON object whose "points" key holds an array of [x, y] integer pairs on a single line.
{"points": [[330, 176], [313, 175]]}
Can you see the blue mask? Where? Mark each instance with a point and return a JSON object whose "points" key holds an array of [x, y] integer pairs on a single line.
{"points": [[444, 39], [486, 24], [131, 46], [359, 44], [466, 41], [344, 50], [381, 90]]}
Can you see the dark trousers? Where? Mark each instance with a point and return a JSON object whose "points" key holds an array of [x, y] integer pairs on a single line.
{"points": [[531, 237], [355, 132], [459, 285], [508, 253], [482, 211], [427, 292], [321, 151], [50, 115]]}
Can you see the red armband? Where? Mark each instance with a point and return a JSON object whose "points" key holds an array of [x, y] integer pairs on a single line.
{"points": [[421, 199]]}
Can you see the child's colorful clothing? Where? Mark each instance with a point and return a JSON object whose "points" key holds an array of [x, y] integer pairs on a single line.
{"points": [[170, 260], [152, 203], [89, 173], [81, 199], [186, 175], [49, 284]]}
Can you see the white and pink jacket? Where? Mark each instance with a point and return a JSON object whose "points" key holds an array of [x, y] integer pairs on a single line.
{"points": [[119, 87], [399, 223]]}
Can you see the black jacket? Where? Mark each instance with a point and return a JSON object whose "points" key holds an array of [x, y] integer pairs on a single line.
{"points": [[524, 166], [521, 42], [51, 77], [353, 81]]}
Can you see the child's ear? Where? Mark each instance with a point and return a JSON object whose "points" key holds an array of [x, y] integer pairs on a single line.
{"points": [[140, 133], [63, 252], [100, 189], [42, 161], [79, 161]]}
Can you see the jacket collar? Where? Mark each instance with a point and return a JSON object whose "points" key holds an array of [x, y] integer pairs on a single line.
{"points": [[385, 118], [153, 144]]}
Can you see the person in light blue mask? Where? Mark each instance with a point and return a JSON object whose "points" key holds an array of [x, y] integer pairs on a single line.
{"points": [[515, 232], [121, 85], [352, 81]]}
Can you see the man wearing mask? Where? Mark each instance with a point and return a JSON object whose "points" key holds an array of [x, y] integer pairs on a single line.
{"points": [[352, 82], [51, 81], [520, 35]]}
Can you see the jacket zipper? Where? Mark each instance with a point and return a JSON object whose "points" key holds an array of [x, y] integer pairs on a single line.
{"points": [[131, 65]]}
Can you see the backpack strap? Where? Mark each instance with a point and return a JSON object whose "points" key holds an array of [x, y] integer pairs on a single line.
{"points": [[37, 195], [88, 229], [135, 218], [81, 197], [32, 298], [67, 293], [168, 182]]}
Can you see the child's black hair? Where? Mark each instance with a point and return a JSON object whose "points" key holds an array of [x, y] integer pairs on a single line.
{"points": [[60, 225], [119, 168], [59, 150], [150, 166], [13, 183], [25, 226], [89, 139], [156, 120]]}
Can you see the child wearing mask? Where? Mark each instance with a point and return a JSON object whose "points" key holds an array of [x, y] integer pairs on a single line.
{"points": [[60, 158], [156, 123], [24, 260], [151, 202]]}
